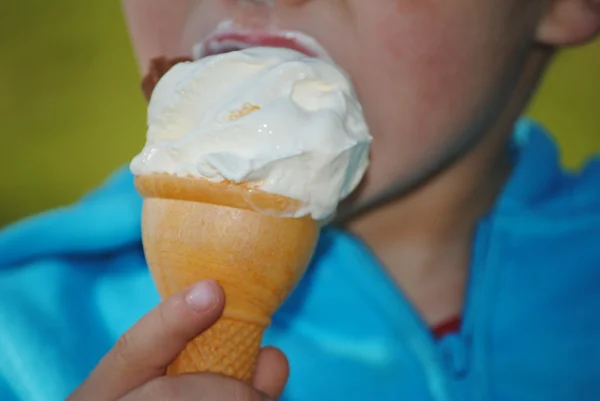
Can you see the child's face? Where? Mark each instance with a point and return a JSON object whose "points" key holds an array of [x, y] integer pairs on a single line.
{"points": [[426, 71]]}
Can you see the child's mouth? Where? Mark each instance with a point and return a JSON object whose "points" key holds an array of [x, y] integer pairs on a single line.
{"points": [[227, 38]]}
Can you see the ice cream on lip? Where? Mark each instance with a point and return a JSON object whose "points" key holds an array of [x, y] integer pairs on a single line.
{"points": [[228, 36], [272, 118]]}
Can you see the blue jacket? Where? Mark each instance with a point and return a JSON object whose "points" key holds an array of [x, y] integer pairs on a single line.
{"points": [[72, 280]]}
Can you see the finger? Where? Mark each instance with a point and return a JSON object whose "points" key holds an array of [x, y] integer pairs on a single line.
{"points": [[194, 387], [272, 372], [144, 352]]}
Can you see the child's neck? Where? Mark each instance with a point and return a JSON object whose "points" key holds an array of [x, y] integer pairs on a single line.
{"points": [[424, 240]]}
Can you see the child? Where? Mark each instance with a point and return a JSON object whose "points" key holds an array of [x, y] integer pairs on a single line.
{"points": [[468, 267]]}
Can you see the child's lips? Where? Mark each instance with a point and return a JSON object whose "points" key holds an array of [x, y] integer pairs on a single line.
{"points": [[232, 42], [227, 38]]}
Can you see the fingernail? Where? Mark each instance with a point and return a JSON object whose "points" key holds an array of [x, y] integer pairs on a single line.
{"points": [[201, 296]]}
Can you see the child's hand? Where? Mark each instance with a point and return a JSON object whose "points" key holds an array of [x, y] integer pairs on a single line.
{"points": [[134, 369]]}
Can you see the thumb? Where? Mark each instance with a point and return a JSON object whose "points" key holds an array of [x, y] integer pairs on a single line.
{"points": [[272, 372], [144, 352]]}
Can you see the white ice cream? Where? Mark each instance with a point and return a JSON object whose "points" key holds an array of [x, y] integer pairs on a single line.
{"points": [[304, 136]]}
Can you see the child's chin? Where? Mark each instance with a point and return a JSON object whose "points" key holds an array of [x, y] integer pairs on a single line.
{"points": [[352, 204]]}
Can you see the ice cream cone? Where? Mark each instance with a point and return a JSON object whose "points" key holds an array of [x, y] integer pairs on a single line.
{"points": [[195, 229]]}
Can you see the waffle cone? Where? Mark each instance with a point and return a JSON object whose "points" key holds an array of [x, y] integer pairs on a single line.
{"points": [[194, 229]]}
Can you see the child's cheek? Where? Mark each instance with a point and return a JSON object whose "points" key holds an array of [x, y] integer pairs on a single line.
{"points": [[425, 53], [437, 54]]}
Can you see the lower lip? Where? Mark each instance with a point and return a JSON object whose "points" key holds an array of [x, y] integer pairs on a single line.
{"points": [[256, 41]]}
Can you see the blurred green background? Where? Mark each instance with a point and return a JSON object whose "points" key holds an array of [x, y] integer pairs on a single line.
{"points": [[71, 111]]}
